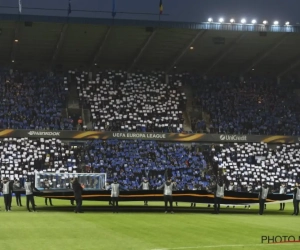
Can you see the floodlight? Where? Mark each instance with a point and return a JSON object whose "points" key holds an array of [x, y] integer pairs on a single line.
{"points": [[221, 20], [276, 22], [265, 22], [287, 23], [243, 20], [210, 20], [232, 20], [253, 21]]}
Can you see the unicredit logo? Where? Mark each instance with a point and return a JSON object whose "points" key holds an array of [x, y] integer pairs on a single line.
{"points": [[233, 137], [44, 133]]}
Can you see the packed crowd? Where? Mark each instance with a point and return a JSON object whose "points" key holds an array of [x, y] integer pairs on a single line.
{"points": [[32, 101], [252, 106], [244, 166], [128, 160], [137, 102], [20, 158], [247, 166]]}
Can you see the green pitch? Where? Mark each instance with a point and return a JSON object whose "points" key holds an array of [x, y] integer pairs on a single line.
{"points": [[53, 230]]}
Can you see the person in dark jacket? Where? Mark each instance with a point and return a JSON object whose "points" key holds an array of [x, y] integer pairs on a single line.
{"points": [[77, 188], [296, 199], [17, 191], [47, 187], [263, 194]]}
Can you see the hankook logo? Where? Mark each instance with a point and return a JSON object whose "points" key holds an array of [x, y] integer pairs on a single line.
{"points": [[44, 133], [233, 137]]}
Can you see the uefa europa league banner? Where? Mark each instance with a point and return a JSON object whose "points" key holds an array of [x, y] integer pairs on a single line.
{"points": [[88, 135]]}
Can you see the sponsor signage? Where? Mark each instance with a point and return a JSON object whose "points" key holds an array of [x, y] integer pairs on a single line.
{"points": [[43, 133], [103, 135], [233, 138]]}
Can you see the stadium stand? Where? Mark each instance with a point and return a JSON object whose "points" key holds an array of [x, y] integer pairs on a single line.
{"points": [[32, 101], [130, 161], [22, 157], [253, 106], [248, 165], [137, 102]]}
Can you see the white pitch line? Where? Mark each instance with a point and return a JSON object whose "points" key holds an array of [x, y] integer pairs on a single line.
{"points": [[223, 246]]}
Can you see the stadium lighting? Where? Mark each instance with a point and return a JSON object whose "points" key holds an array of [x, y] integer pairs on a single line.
{"points": [[243, 20], [232, 20], [221, 20], [287, 23], [191, 48], [265, 22], [210, 19], [13, 61], [16, 40], [253, 21], [276, 22]]}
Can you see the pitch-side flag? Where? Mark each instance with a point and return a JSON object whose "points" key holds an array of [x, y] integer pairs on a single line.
{"points": [[70, 8], [161, 7], [113, 12], [20, 6]]}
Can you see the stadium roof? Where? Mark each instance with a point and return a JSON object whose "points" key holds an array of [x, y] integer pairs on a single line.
{"points": [[40, 41]]}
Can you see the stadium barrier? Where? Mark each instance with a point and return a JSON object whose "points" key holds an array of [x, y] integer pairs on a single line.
{"points": [[175, 137]]}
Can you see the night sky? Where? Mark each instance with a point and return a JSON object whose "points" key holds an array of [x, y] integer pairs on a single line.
{"points": [[178, 10]]}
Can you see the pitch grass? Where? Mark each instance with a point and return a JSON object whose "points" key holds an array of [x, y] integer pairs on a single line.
{"points": [[53, 230]]}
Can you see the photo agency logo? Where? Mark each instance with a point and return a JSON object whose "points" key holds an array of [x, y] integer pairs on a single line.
{"points": [[233, 138], [278, 239]]}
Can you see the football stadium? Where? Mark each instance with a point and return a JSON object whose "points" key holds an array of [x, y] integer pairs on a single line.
{"points": [[138, 134]]}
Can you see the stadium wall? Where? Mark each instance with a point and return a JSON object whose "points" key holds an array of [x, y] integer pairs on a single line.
{"points": [[104, 135]]}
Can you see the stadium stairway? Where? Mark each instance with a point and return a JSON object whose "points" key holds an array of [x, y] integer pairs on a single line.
{"points": [[297, 92], [188, 108], [73, 101], [86, 119]]}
